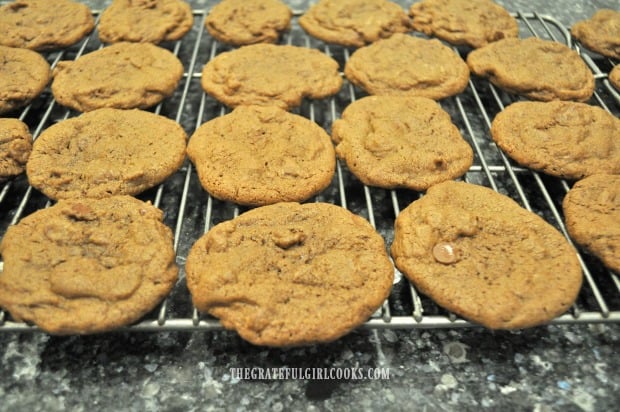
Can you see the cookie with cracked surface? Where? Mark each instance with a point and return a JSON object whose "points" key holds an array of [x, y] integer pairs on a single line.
{"points": [[24, 74], [15, 147], [535, 68], [290, 274], [270, 75], [37, 25], [600, 33], [480, 255], [473, 23], [614, 76], [560, 138], [106, 152], [151, 21], [122, 76], [400, 142], [262, 155], [354, 22], [408, 66], [241, 22], [87, 266]]}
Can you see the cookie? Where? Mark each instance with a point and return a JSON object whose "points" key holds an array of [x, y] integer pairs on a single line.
{"points": [[614, 76], [592, 214], [480, 255], [106, 152], [152, 21], [354, 23], [122, 76], [242, 22], [409, 66], [563, 139], [400, 142], [535, 68], [15, 147], [39, 25], [261, 155], [24, 74], [474, 23], [270, 75], [86, 266], [290, 274], [600, 33]]}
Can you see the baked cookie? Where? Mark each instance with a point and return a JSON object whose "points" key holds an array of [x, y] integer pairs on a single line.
{"points": [[151, 21], [270, 75], [564, 139], [242, 22], [410, 66], [614, 76], [400, 142], [473, 23], [261, 155], [600, 33], [106, 152], [592, 214], [480, 255], [354, 22], [535, 68], [86, 266], [122, 76], [15, 147], [24, 74], [39, 25], [290, 274]]}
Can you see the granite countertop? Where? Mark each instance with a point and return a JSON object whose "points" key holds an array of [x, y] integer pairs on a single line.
{"points": [[558, 367]]}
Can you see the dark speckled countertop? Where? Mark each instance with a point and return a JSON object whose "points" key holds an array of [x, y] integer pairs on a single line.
{"points": [[558, 367]]}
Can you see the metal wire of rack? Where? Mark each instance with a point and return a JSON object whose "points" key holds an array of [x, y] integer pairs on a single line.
{"points": [[190, 211]]}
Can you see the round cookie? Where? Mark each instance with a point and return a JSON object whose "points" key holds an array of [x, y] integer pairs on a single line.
{"points": [[400, 142], [354, 22], [290, 274], [535, 68], [262, 155], [614, 76], [473, 23], [409, 66], [151, 21], [86, 266], [600, 33], [270, 75], [106, 152], [592, 214], [123, 76], [39, 25], [242, 22], [15, 147], [24, 74], [480, 255], [564, 139]]}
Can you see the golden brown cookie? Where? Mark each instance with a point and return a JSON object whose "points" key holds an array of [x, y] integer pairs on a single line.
{"points": [[480, 255], [290, 274], [409, 66], [106, 152], [24, 74], [242, 22], [614, 76], [354, 22], [261, 155], [151, 21], [564, 139], [600, 33], [592, 214], [44, 25], [270, 75], [464, 22], [15, 147], [86, 266], [122, 76], [536, 68], [400, 142]]}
